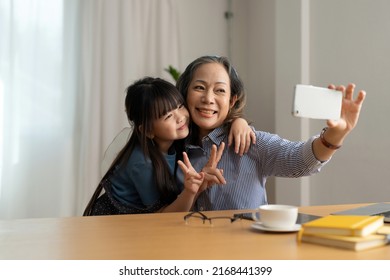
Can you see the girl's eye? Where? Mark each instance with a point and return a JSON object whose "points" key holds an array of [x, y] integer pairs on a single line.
{"points": [[181, 106], [166, 116]]}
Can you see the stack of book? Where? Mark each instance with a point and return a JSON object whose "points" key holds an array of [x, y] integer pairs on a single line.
{"points": [[343, 231]]}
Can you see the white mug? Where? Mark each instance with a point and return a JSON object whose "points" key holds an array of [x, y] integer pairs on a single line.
{"points": [[276, 215]]}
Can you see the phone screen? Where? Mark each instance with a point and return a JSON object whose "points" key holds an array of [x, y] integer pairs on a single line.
{"points": [[304, 218]]}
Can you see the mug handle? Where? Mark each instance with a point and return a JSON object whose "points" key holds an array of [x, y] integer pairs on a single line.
{"points": [[256, 216]]}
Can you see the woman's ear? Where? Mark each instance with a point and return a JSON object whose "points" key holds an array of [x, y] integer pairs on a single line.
{"points": [[233, 101]]}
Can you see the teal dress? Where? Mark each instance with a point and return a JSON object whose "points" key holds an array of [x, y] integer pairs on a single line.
{"points": [[132, 188]]}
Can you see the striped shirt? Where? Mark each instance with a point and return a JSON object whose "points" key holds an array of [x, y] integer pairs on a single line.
{"points": [[246, 175]]}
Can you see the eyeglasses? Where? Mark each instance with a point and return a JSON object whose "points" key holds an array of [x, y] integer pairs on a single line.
{"points": [[197, 217]]}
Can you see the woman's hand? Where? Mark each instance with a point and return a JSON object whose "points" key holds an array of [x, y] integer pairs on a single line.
{"points": [[338, 129], [242, 135], [350, 109]]}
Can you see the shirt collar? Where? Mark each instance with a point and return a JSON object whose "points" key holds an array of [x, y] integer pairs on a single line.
{"points": [[216, 136]]}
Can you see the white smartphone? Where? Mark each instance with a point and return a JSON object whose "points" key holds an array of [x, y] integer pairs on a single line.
{"points": [[316, 102]]}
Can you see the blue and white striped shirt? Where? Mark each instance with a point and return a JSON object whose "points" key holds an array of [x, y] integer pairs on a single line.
{"points": [[246, 175]]}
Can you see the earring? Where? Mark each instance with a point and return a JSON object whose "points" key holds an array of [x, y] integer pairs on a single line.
{"points": [[150, 137]]}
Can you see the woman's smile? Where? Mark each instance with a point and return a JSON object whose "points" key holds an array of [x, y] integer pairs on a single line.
{"points": [[206, 112]]}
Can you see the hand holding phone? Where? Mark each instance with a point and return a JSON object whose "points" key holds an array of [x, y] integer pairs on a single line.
{"points": [[316, 102]]}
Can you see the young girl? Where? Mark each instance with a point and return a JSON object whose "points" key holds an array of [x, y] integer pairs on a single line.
{"points": [[142, 179]]}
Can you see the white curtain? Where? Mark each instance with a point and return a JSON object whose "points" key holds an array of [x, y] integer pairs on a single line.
{"points": [[64, 69]]}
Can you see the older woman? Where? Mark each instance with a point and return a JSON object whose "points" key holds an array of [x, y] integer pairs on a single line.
{"points": [[215, 96]]}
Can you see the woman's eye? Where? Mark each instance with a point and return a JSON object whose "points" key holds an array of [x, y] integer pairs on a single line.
{"points": [[199, 87]]}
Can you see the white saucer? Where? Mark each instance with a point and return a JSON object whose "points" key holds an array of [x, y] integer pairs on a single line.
{"points": [[260, 226]]}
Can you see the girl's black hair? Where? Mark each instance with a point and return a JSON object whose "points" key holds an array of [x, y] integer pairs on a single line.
{"points": [[147, 100]]}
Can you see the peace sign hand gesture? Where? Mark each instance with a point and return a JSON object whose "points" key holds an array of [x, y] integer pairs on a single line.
{"points": [[213, 175], [192, 179]]}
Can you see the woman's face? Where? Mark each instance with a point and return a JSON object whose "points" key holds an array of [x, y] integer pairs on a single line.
{"points": [[208, 97]]}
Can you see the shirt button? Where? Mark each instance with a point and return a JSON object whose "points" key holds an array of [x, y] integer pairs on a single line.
{"points": [[201, 208]]}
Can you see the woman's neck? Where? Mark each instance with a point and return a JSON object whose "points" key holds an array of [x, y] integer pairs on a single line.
{"points": [[203, 133]]}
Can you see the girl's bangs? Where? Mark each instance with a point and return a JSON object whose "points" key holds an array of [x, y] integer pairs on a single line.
{"points": [[165, 103]]}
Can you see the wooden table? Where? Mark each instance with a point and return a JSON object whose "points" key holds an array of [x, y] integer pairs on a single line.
{"points": [[161, 236]]}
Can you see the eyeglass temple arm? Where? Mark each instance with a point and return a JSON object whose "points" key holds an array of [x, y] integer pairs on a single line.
{"points": [[204, 217]]}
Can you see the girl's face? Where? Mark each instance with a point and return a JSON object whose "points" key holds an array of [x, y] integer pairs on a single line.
{"points": [[208, 97], [170, 127]]}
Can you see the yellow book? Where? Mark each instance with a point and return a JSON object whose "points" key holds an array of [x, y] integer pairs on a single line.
{"points": [[356, 243], [384, 230], [344, 225]]}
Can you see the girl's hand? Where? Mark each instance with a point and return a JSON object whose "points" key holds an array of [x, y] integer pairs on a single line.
{"points": [[192, 179], [242, 135]]}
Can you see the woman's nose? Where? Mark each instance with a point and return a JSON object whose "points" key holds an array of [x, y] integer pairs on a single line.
{"points": [[208, 97]]}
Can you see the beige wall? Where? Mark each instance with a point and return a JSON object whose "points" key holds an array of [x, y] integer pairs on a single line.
{"points": [[350, 41]]}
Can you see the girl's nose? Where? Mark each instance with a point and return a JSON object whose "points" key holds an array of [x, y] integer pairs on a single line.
{"points": [[180, 117]]}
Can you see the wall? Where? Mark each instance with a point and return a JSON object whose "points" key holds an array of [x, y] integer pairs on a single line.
{"points": [[202, 30], [350, 42]]}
